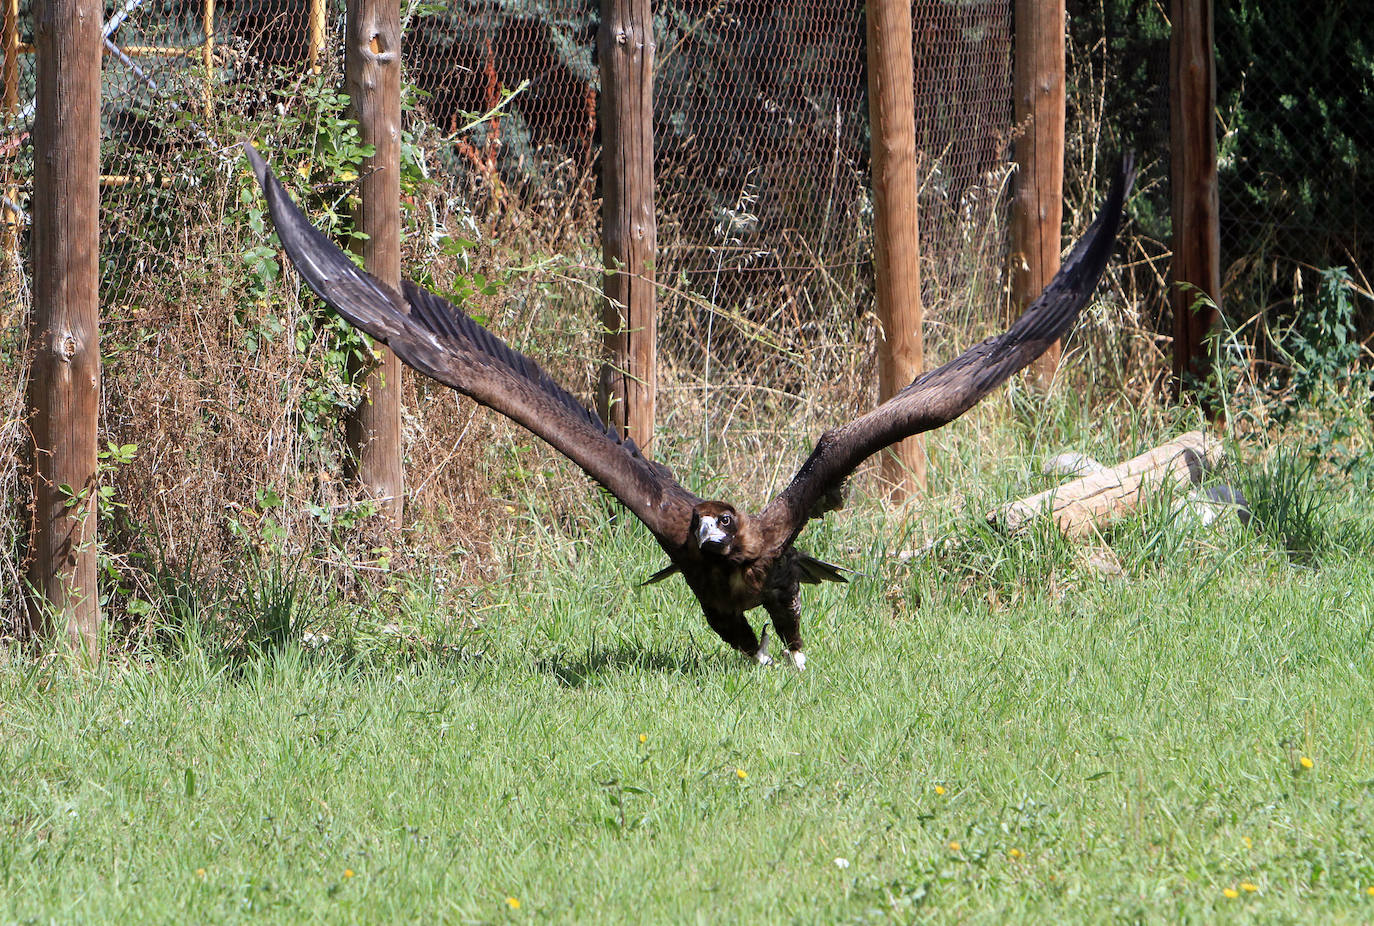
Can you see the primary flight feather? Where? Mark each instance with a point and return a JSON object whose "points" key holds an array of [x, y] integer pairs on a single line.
{"points": [[732, 561]]}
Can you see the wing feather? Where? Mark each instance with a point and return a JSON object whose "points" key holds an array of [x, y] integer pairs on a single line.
{"points": [[442, 342], [939, 396]]}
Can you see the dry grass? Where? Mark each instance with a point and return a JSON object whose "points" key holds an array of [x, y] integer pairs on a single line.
{"points": [[744, 389]]}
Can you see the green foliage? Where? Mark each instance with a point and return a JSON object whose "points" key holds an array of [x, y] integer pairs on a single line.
{"points": [[1322, 345], [277, 603], [1290, 506], [1295, 147]]}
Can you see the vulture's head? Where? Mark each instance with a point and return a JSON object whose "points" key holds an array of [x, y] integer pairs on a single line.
{"points": [[715, 528]]}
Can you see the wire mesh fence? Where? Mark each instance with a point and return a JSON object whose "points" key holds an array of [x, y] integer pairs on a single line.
{"points": [[761, 134], [1294, 150], [224, 377]]}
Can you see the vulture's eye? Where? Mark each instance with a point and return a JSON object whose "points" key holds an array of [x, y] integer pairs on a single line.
{"points": [[726, 520]]}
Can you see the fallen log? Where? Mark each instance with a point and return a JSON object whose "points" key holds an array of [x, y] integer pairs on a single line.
{"points": [[1095, 500]]}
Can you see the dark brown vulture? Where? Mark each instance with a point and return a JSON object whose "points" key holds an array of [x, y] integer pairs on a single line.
{"points": [[732, 560]]}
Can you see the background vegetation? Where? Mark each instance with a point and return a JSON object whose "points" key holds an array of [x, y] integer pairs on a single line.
{"points": [[485, 718]]}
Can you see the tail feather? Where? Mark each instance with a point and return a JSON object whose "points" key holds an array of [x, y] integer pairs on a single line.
{"points": [[662, 574], [816, 571]]}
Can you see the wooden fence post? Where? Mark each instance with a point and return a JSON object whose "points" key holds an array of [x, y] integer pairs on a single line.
{"points": [[1196, 266], [1037, 208], [372, 74], [626, 388], [64, 385], [896, 245]]}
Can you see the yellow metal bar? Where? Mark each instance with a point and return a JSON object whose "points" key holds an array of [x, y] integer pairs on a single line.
{"points": [[129, 179], [159, 51], [10, 42], [209, 21], [145, 51], [316, 34], [8, 217]]}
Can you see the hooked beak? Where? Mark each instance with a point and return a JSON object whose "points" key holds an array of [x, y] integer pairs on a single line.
{"points": [[710, 536]]}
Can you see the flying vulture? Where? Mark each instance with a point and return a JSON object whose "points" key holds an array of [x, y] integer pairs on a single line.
{"points": [[732, 560]]}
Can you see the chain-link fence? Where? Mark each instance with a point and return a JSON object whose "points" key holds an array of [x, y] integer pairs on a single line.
{"points": [[1295, 154], [232, 386]]}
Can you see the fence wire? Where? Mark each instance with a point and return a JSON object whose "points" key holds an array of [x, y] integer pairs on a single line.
{"points": [[1295, 152], [764, 214]]}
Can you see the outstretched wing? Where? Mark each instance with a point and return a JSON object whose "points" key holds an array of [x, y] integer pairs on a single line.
{"points": [[943, 394], [439, 340]]}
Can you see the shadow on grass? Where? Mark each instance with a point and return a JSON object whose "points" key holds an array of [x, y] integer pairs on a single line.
{"points": [[599, 662]]}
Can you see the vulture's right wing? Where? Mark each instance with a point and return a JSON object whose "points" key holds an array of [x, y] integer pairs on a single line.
{"points": [[442, 342], [939, 396]]}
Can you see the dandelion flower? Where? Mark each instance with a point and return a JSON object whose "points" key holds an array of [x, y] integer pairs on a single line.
{"points": [[841, 863], [954, 846], [1247, 887], [644, 737], [1015, 853], [348, 872], [513, 903], [1305, 762], [1232, 893], [200, 872], [940, 790], [1369, 891], [741, 774]]}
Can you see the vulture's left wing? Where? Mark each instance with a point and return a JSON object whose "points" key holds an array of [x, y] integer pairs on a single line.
{"points": [[442, 342], [943, 394]]}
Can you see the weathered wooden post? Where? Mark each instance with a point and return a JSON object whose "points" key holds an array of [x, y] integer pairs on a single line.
{"points": [[1196, 267], [626, 389], [64, 385], [896, 245], [1037, 209], [372, 75]]}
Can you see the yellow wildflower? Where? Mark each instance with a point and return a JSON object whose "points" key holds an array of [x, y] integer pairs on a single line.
{"points": [[200, 872], [348, 872], [1369, 891], [1231, 893], [644, 737], [1015, 853], [513, 903], [1249, 843], [940, 790], [1305, 762], [1247, 887], [954, 846], [741, 774]]}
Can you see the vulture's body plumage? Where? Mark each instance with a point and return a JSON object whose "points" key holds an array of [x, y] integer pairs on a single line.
{"points": [[732, 561]]}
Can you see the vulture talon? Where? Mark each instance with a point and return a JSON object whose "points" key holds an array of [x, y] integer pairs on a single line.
{"points": [[761, 654]]}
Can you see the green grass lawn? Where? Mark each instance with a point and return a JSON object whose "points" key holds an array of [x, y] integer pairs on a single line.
{"points": [[992, 731]]}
